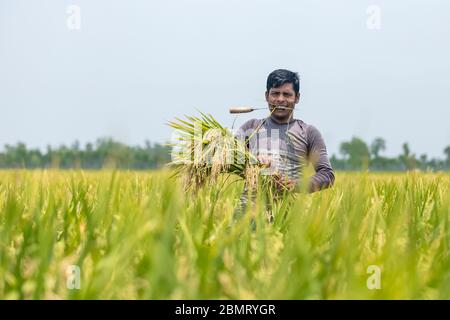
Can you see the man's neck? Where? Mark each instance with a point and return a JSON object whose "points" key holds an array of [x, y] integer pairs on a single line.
{"points": [[282, 121]]}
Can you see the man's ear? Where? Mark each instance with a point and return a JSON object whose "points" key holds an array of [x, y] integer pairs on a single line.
{"points": [[297, 98], [267, 96]]}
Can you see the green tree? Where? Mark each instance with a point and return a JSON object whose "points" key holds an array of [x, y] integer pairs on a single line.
{"points": [[408, 159], [379, 144], [356, 153], [423, 161], [447, 154]]}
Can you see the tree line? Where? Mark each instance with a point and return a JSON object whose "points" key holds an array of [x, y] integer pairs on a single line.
{"points": [[355, 155], [105, 152]]}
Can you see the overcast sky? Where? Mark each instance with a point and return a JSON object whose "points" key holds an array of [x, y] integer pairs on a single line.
{"points": [[129, 66]]}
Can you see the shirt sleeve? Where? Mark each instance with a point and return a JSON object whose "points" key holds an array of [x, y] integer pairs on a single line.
{"points": [[318, 157], [246, 129]]}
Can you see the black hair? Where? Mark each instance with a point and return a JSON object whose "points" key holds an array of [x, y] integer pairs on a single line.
{"points": [[281, 76]]}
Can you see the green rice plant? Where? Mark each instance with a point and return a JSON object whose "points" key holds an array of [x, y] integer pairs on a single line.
{"points": [[139, 235]]}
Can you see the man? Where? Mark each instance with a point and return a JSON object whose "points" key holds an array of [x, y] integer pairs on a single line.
{"points": [[286, 144]]}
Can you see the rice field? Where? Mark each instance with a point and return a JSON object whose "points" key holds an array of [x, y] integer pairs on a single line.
{"points": [[137, 235]]}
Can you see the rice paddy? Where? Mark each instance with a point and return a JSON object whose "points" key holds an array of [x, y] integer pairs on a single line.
{"points": [[138, 235]]}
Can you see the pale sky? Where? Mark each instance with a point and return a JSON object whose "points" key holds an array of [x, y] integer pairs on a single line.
{"points": [[133, 65]]}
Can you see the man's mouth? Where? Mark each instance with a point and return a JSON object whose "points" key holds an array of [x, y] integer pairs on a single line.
{"points": [[278, 108]]}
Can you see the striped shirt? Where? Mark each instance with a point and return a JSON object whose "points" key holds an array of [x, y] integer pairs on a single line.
{"points": [[290, 147]]}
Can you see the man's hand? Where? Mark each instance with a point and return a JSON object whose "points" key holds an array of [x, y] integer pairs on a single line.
{"points": [[283, 183], [264, 160]]}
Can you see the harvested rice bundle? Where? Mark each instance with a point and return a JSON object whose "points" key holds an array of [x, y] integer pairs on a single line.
{"points": [[204, 150]]}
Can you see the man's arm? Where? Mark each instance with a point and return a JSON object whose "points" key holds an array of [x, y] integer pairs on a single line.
{"points": [[317, 155]]}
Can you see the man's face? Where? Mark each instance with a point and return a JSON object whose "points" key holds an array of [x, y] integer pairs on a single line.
{"points": [[284, 96]]}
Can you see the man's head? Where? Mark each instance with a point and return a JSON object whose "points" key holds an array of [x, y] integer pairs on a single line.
{"points": [[283, 88]]}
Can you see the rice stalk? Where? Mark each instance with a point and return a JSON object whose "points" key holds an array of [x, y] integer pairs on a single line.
{"points": [[204, 150]]}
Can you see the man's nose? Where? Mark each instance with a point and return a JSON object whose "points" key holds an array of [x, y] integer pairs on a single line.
{"points": [[280, 99]]}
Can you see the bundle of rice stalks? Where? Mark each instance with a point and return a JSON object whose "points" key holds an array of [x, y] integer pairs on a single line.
{"points": [[204, 150]]}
